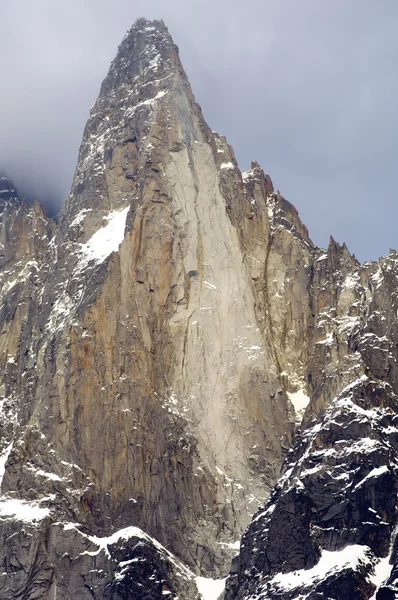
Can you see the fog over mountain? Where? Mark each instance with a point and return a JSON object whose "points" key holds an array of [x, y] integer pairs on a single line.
{"points": [[308, 90]]}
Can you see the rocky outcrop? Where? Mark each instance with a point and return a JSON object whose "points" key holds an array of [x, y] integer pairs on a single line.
{"points": [[328, 528], [25, 238], [144, 392], [60, 561], [160, 348]]}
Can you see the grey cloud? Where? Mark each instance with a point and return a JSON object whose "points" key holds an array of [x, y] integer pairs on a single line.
{"points": [[309, 89]]}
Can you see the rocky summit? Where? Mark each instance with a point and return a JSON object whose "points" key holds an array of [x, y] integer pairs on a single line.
{"points": [[180, 366]]}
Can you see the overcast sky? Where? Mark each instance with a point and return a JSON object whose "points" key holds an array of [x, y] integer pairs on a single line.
{"points": [[308, 88]]}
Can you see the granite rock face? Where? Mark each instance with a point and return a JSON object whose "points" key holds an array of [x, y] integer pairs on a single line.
{"points": [[162, 348], [328, 531], [139, 390]]}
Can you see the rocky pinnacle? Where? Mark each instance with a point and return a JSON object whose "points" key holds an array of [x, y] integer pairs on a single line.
{"points": [[172, 350]]}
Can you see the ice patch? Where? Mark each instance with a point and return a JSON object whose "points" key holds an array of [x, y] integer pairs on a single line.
{"points": [[101, 245], [23, 274]]}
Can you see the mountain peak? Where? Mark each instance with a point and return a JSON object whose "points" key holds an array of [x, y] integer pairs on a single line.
{"points": [[166, 349], [141, 51], [145, 75], [147, 24]]}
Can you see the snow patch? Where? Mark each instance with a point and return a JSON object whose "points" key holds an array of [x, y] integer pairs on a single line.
{"points": [[131, 111], [26, 512], [328, 341], [351, 281], [122, 534], [374, 474], [3, 460], [80, 217], [210, 589], [227, 165], [106, 240], [300, 401], [61, 309], [125, 534], [329, 563], [45, 474], [382, 572], [231, 545]]}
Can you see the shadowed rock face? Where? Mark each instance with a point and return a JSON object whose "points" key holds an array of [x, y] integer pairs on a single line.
{"points": [[161, 346], [330, 520]]}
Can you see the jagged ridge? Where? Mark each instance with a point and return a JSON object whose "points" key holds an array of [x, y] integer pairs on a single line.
{"points": [[160, 347]]}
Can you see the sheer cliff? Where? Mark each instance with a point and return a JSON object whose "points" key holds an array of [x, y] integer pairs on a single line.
{"points": [[170, 345], [139, 390]]}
